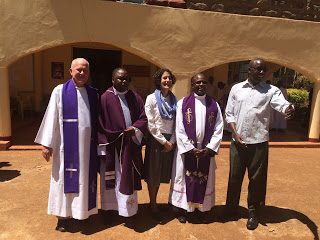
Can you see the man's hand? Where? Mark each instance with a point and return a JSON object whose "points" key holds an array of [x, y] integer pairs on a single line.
{"points": [[128, 133], [206, 152], [194, 152], [167, 147], [289, 112], [202, 153], [240, 141], [46, 153], [237, 137]]}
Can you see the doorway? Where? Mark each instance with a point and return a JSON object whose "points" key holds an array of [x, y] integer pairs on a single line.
{"points": [[102, 63]]}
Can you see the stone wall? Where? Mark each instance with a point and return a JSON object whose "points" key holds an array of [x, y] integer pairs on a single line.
{"points": [[294, 9]]}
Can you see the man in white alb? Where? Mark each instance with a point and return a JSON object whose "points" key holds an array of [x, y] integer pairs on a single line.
{"points": [[199, 129], [68, 132]]}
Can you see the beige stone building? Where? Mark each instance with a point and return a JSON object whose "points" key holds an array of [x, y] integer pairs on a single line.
{"points": [[41, 37]]}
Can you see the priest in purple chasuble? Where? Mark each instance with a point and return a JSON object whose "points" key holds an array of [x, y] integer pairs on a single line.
{"points": [[68, 132], [122, 123], [199, 129]]}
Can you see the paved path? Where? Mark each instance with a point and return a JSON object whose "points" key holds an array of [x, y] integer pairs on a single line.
{"points": [[292, 210]]}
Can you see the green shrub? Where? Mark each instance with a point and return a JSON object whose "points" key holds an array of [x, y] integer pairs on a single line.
{"points": [[297, 96], [303, 82]]}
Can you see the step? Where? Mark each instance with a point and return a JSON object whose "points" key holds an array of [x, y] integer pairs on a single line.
{"points": [[4, 145]]}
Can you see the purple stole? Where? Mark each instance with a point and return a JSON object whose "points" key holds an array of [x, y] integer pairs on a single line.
{"points": [[112, 124], [71, 141], [196, 171]]}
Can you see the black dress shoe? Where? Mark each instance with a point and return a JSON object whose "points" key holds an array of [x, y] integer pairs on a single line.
{"points": [[252, 223], [182, 219], [62, 225]]}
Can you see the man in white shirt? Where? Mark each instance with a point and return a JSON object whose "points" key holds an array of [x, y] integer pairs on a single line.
{"points": [[248, 116], [199, 129]]}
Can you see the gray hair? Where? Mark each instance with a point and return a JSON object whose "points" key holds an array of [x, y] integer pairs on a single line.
{"points": [[78, 59]]}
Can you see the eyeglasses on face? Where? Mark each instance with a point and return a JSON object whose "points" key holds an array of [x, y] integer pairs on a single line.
{"points": [[199, 82], [128, 79], [259, 69]]}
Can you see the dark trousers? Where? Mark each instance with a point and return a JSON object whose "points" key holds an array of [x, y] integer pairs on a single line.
{"points": [[255, 159]]}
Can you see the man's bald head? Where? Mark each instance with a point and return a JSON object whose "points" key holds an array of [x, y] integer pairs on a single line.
{"points": [[76, 60]]}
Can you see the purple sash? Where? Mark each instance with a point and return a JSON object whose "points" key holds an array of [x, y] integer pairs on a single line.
{"points": [[196, 171], [71, 145]]}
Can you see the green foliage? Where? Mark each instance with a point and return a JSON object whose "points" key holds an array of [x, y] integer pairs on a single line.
{"points": [[297, 96], [303, 82]]}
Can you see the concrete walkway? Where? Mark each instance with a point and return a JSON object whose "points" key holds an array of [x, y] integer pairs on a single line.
{"points": [[292, 210]]}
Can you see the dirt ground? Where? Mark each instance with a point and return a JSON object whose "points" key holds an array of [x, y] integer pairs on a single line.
{"points": [[292, 210]]}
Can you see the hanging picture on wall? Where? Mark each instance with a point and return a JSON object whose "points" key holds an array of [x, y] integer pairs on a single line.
{"points": [[57, 70]]}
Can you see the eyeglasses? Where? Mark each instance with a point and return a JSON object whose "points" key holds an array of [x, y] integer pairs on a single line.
{"points": [[128, 79], [199, 82], [259, 69]]}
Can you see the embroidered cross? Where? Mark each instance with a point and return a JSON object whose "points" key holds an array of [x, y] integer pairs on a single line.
{"points": [[93, 186], [188, 115], [71, 170], [211, 117], [131, 201]]}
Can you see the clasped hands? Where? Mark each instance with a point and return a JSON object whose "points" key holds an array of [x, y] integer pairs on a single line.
{"points": [[202, 153], [129, 132]]}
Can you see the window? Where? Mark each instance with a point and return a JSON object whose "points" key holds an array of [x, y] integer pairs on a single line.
{"points": [[238, 72]]}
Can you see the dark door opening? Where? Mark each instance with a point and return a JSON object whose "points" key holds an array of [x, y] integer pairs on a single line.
{"points": [[102, 63]]}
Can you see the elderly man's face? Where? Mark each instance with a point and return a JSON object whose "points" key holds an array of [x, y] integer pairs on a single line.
{"points": [[257, 70], [199, 85], [121, 81], [80, 72]]}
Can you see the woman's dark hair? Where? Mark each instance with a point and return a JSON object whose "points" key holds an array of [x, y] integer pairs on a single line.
{"points": [[157, 77]]}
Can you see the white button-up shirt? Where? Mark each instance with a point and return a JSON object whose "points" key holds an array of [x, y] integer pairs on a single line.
{"points": [[156, 124], [249, 108]]}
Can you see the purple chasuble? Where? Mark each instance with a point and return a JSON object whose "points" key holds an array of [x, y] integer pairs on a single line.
{"points": [[71, 146], [196, 171], [112, 124]]}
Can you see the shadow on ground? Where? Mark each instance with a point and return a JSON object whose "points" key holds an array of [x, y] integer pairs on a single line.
{"points": [[6, 175], [143, 221], [273, 214], [269, 214], [139, 223]]}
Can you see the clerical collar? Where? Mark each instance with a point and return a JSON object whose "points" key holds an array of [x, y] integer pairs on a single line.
{"points": [[199, 97], [119, 93]]}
